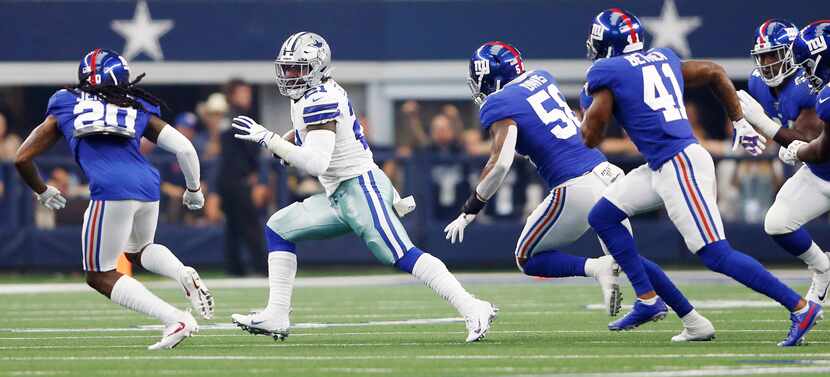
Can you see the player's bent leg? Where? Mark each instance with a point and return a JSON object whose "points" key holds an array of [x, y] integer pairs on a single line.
{"points": [[365, 204], [695, 326], [478, 314], [606, 219], [560, 220], [313, 218], [159, 259], [131, 294], [798, 202]]}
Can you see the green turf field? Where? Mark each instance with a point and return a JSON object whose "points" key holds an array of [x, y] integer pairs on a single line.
{"points": [[543, 329]]}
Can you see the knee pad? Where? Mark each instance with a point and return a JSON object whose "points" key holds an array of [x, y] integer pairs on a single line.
{"points": [[605, 214], [407, 262], [275, 242], [775, 222]]}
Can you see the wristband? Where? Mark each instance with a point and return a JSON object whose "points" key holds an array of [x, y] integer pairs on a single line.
{"points": [[473, 205]]}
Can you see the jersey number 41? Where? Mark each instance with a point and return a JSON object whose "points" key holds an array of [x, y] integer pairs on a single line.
{"points": [[657, 96]]}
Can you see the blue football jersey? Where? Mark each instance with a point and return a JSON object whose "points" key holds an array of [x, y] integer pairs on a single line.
{"points": [[794, 96], [114, 166], [823, 104], [548, 131], [648, 101]]}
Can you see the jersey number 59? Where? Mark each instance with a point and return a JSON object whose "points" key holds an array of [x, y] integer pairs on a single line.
{"points": [[561, 116]]}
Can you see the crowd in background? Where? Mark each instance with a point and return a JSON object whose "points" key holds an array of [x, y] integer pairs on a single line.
{"points": [[241, 187]]}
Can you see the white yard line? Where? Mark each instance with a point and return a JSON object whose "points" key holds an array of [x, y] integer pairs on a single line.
{"points": [[790, 276], [709, 371], [414, 357]]}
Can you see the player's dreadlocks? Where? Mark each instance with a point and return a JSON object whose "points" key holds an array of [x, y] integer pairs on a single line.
{"points": [[122, 95]]}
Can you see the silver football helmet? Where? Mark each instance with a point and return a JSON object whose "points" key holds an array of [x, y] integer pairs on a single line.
{"points": [[303, 62]]}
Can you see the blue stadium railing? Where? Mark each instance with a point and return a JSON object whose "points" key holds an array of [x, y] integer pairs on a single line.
{"points": [[488, 243]]}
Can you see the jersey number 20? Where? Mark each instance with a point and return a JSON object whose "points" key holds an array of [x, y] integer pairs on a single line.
{"points": [[561, 117], [658, 98], [95, 113]]}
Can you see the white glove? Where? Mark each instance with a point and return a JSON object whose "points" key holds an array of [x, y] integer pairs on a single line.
{"points": [[403, 206], [52, 198], [193, 200], [748, 138], [790, 154], [754, 113], [251, 131], [455, 229]]}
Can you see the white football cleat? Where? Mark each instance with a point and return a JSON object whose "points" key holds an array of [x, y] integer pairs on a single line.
{"points": [[478, 320], [702, 331], [176, 333], [608, 277], [197, 292], [258, 324], [819, 287]]}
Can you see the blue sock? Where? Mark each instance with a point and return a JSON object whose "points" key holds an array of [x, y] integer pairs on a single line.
{"points": [[407, 261], [666, 289], [721, 257], [606, 219], [796, 243], [275, 242], [554, 264]]}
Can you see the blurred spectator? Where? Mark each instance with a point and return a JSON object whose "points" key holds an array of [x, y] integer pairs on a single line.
{"points": [[9, 142], [239, 188], [212, 114], [450, 185], [173, 184], [443, 137], [77, 200], [474, 144], [412, 135]]}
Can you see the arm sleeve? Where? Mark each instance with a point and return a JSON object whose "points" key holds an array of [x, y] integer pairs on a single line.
{"points": [[313, 157], [491, 183], [174, 142]]}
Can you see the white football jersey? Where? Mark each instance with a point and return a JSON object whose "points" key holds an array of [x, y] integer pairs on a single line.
{"points": [[325, 103]]}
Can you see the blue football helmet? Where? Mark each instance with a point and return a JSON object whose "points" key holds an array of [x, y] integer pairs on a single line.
{"points": [[492, 66], [104, 67], [773, 50], [613, 33], [811, 53]]}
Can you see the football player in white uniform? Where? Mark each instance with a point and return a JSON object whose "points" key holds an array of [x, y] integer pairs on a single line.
{"points": [[327, 142]]}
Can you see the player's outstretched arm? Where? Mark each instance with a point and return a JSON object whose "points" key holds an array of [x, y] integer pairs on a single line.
{"points": [[171, 140], [502, 152], [807, 126], [597, 117], [699, 73], [43, 137], [314, 156]]}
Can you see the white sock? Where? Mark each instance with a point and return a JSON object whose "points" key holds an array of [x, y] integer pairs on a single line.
{"points": [[803, 310], [591, 267], [282, 268], [691, 318], [131, 294], [650, 301], [160, 260], [435, 275], [816, 259]]}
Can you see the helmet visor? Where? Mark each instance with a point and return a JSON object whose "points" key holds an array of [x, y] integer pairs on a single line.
{"points": [[775, 64], [292, 75]]}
